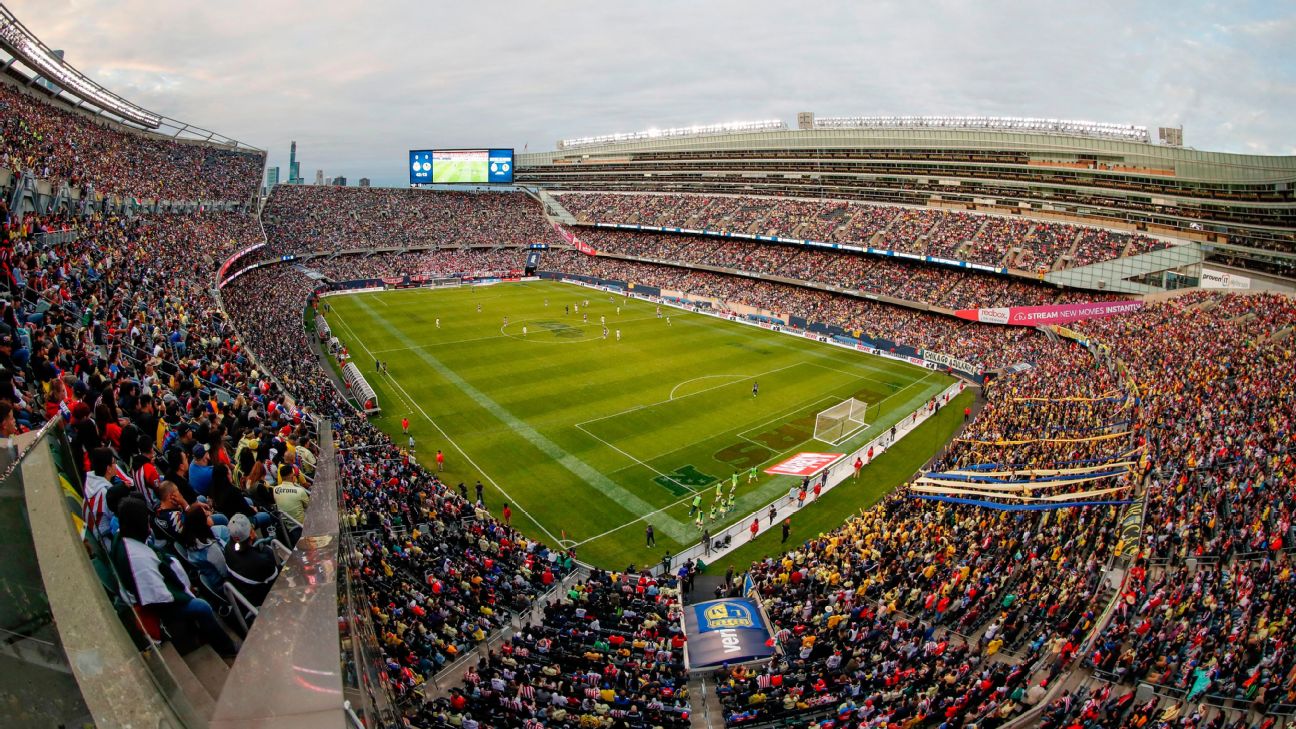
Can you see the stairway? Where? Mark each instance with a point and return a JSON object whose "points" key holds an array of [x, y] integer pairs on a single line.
{"points": [[200, 675]]}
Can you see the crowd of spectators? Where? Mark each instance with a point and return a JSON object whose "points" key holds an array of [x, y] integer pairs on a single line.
{"points": [[944, 287], [993, 240], [609, 653], [311, 218], [885, 323], [57, 144], [182, 442]]}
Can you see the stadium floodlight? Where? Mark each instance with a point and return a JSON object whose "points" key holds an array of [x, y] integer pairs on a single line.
{"points": [[26, 47], [1101, 130], [693, 131]]}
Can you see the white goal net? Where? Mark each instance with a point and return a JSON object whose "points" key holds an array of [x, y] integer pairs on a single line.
{"points": [[841, 421]]}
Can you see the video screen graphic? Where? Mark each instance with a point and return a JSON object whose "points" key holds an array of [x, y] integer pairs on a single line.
{"points": [[461, 166]]}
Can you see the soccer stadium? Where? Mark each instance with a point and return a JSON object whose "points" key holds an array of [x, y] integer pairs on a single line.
{"points": [[827, 421]]}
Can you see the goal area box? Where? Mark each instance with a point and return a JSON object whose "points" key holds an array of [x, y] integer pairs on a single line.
{"points": [[841, 421]]}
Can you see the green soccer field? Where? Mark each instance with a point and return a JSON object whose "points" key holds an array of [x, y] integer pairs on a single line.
{"points": [[459, 171], [588, 439]]}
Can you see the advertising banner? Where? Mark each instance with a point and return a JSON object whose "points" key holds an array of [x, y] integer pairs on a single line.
{"points": [[804, 464], [945, 360], [573, 241], [1033, 316], [725, 631], [1211, 279]]}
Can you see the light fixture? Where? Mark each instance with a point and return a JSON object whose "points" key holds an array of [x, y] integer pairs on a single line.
{"points": [[693, 131], [1103, 130], [26, 47]]}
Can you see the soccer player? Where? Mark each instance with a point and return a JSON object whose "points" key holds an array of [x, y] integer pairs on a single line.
{"points": [[618, 333], [698, 521], [713, 512], [659, 312], [438, 322], [546, 302], [524, 330], [668, 320], [755, 388], [696, 505], [602, 319], [719, 489], [733, 483], [479, 308], [649, 539], [566, 309], [585, 318], [751, 475], [506, 321], [618, 311], [605, 332]]}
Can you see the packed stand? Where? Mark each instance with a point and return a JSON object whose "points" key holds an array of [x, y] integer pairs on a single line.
{"points": [[610, 653], [437, 570], [185, 446], [990, 346], [312, 218], [965, 236], [928, 284], [58, 144]]}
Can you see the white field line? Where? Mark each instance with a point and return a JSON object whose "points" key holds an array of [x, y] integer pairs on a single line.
{"points": [[582, 471], [451, 441], [691, 394], [687, 498], [496, 336], [703, 377]]}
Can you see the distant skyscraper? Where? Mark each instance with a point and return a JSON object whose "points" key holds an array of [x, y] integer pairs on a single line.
{"points": [[272, 177], [340, 181], [319, 177], [364, 182], [294, 168]]}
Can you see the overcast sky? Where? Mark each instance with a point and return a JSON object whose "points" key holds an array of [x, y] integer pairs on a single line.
{"points": [[359, 83]]}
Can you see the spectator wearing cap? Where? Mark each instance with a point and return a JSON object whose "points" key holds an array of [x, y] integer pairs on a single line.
{"points": [[152, 580], [200, 470], [251, 565]]}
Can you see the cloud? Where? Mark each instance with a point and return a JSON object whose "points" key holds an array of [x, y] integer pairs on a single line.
{"points": [[358, 85]]}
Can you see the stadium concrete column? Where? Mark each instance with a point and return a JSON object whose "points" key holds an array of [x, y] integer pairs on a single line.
{"points": [[660, 520]]}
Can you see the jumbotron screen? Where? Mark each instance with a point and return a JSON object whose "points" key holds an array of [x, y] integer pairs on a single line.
{"points": [[460, 166]]}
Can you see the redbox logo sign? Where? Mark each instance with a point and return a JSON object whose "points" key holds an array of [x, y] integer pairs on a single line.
{"points": [[804, 464]]}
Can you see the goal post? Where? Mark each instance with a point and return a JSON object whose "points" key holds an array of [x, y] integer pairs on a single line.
{"points": [[842, 420]]}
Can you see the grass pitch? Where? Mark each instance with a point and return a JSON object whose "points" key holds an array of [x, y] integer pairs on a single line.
{"points": [[590, 439], [465, 171]]}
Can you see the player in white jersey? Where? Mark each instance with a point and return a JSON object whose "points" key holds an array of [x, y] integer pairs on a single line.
{"points": [[618, 335], [438, 322], [524, 330]]}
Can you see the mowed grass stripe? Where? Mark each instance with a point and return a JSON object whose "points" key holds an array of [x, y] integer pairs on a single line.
{"points": [[578, 467], [553, 388]]}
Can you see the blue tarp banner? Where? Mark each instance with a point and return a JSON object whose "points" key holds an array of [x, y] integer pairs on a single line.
{"points": [[991, 479], [725, 631]]}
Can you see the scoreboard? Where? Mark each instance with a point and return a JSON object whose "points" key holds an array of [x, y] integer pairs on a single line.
{"points": [[461, 166]]}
